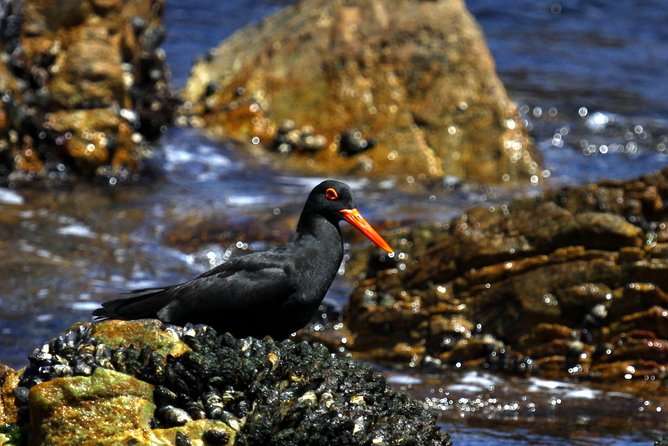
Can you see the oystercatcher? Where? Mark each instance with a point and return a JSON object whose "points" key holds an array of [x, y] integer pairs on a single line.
{"points": [[273, 292]]}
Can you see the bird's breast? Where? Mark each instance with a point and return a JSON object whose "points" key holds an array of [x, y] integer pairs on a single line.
{"points": [[315, 274]]}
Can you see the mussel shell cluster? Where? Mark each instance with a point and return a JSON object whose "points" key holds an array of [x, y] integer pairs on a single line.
{"points": [[290, 139], [352, 143], [261, 388]]}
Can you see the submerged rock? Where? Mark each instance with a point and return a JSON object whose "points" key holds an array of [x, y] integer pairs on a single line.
{"points": [[570, 283], [117, 382], [401, 88], [82, 86]]}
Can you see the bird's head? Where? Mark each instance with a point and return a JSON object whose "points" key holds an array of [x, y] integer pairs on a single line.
{"points": [[333, 200]]}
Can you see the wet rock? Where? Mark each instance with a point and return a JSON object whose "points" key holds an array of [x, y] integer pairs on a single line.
{"points": [[352, 143], [154, 384], [654, 320], [399, 88], [570, 283], [290, 139], [83, 88], [116, 334], [10, 434], [120, 405], [9, 379]]}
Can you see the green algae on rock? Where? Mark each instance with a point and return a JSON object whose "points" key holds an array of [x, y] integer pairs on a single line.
{"points": [[210, 389], [572, 283], [116, 334], [106, 405], [10, 435], [414, 78]]}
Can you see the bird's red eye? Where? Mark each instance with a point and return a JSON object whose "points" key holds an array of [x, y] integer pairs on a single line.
{"points": [[331, 194]]}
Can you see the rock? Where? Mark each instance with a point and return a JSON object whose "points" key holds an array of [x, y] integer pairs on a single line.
{"points": [[570, 283], [400, 88], [88, 71], [9, 379], [118, 406], [115, 334], [83, 87], [10, 434], [121, 406], [146, 383]]}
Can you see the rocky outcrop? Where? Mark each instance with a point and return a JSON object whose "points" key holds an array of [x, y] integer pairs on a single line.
{"points": [[140, 382], [571, 283], [9, 379], [83, 84], [401, 88]]}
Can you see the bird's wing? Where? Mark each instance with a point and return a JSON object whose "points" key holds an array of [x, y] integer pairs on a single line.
{"points": [[260, 280], [143, 303], [253, 262]]}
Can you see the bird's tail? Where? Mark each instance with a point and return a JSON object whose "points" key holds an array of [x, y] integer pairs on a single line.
{"points": [[139, 304]]}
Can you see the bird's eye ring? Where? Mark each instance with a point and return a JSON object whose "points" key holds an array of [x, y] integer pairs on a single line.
{"points": [[331, 194]]}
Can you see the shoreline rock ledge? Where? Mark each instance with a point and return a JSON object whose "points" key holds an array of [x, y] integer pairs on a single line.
{"points": [[142, 382], [572, 283], [398, 88]]}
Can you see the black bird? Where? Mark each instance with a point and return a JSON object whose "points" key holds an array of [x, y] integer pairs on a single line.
{"points": [[274, 292]]}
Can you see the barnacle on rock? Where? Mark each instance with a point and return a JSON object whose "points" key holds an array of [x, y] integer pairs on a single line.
{"points": [[267, 392]]}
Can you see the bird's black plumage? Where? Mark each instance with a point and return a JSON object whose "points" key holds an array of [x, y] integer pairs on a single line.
{"points": [[274, 292]]}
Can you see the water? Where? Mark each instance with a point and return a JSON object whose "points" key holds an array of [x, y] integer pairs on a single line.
{"points": [[479, 408], [590, 79]]}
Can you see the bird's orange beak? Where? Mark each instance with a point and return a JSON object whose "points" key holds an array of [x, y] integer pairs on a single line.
{"points": [[354, 217]]}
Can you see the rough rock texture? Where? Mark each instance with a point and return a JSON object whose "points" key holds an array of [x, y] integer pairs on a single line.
{"points": [[573, 282], [399, 88], [82, 84], [115, 404], [119, 382], [9, 379]]}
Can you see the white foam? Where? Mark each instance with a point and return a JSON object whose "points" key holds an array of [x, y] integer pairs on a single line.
{"points": [[582, 393], [403, 379], [138, 284], [480, 379], [567, 390], [27, 247], [245, 200], [467, 388], [205, 155], [597, 121], [77, 230], [8, 196], [85, 305], [538, 384]]}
